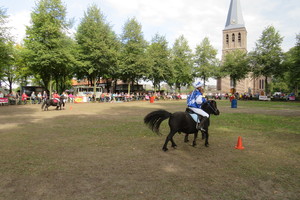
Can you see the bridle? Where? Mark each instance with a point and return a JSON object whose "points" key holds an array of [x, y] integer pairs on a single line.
{"points": [[212, 108]]}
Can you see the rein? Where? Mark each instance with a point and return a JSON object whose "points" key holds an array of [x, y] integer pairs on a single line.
{"points": [[213, 109]]}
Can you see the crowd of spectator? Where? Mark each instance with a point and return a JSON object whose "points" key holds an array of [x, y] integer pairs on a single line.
{"points": [[125, 97], [226, 96], [15, 98]]}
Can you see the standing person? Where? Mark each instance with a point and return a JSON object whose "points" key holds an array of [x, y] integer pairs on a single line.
{"points": [[33, 97], [71, 98], [1, 96], [24, 98], [45, 96], [195, 101], [39, 97], [65, 96], [18, 98]]}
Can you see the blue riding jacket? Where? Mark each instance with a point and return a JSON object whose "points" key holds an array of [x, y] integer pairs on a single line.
{"points": [[191, 100]]}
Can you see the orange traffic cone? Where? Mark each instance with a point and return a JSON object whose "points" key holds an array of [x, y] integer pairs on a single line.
{"points": [[239, 144]]}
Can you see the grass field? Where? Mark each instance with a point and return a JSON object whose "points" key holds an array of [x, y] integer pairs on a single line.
{"points": [[104, 151]]}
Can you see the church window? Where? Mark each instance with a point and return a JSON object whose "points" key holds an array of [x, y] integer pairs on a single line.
{"points": [[261, 84], [227, 38], [233, 37], [239, 38]]}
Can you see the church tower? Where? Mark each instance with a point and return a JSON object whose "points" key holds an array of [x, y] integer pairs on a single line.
{"points": [[234, 37], [235, 33]]}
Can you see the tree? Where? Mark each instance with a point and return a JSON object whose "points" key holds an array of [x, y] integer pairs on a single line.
{"points": [[22, 69], [5, 44], [205, 61], [292, 63], [236, 65], [48, 47], [181, 58], [98, 47], [9, 69], [159, 54], [268, 55], [134, 62]]}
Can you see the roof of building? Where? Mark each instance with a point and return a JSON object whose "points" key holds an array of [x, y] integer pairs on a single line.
{"points": [[234, 16]]}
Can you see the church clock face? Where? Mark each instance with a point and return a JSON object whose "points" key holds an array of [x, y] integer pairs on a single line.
{"points": [[233, 21]]}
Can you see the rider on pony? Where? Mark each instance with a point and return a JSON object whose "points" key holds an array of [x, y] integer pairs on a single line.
{"points": [[55, 97], [195, 101]]}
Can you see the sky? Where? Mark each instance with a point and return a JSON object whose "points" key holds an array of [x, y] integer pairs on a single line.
{"points": [[195, 19]]}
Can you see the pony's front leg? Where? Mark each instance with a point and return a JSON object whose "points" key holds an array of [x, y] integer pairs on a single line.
{"points": [[206, 137], [195, 137], [203, 135]]}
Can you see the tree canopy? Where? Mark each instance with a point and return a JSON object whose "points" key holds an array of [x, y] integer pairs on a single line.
{"points": [[159, 54], [98, 47], [48, 46], [134, 62], [205, 60], [268, 55], [236, 65], [181, 59]]}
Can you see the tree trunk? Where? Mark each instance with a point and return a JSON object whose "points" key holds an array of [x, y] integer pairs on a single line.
{"points": [[296, 90], [154, 86], [204, 81], [50, 88], [266, 86], [10, 86], [94, 89], [128, 89], [178, 87]]}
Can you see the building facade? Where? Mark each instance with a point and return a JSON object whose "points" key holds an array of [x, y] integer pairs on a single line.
{"points": [[235, 37]]}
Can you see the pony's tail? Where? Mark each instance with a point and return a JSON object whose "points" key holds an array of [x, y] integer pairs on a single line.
{"points": [[154, 119]]}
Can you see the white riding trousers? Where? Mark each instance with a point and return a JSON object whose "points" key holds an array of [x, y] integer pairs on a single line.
{"points": [[199, 111]]}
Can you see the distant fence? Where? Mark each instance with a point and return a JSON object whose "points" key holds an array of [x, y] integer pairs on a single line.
{"points": [[3, 101]]}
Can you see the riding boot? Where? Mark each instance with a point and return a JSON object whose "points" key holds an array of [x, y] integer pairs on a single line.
{"points": [[200, 125]]}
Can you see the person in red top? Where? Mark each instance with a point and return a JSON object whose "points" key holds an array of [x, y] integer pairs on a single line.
{"points": [[55, 96], [24, 98]]}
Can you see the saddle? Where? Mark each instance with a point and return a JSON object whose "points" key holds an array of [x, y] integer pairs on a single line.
{"points": [[196, 117]]}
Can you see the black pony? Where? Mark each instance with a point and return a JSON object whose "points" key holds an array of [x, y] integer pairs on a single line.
{"points": [[53, 102], [181, 122]]}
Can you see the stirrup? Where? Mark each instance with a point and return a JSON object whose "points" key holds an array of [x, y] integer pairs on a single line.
{"points": [[199, 128]]}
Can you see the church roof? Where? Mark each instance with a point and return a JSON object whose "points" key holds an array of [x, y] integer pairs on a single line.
{"points": [[234, 16]]}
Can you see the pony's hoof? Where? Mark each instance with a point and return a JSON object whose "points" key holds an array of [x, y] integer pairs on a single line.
{"points": [[186, 141], [194, 144], [207, 145], [165, 149], [174, 146]]}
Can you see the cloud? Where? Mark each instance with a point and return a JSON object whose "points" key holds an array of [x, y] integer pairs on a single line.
{"points": [[172, 18], [18, 23], [195, 19]]}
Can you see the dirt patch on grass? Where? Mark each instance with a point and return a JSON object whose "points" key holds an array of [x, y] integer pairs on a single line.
{"points": [[104, 151]]}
